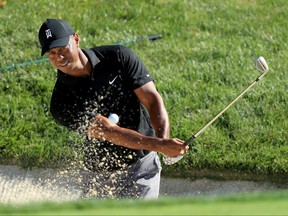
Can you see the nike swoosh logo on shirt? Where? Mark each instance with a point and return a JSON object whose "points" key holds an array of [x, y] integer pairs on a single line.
{"points": [[112, 81]]}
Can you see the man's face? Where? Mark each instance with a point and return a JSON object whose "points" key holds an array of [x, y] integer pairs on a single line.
{"points": [[65, 58]]}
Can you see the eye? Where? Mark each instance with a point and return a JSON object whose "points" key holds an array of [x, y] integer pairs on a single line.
{"points": [[51, 53]]}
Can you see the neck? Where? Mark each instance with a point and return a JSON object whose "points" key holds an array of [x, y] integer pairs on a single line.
{"points": [[83, 67]]}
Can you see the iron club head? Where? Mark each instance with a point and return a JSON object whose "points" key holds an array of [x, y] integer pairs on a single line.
{"points": [[261, 65]]}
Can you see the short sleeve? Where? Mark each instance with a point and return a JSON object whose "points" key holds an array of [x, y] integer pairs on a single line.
{"points": [[134, 69]]}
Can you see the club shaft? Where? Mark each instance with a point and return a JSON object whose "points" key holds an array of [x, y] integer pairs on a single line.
{"points": [[25, 63], [190, 139]]}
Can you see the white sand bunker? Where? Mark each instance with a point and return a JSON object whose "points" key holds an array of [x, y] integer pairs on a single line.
{"points": [[20, 186], [23, 186]]}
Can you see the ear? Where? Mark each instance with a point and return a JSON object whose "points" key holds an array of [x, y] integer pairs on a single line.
{"points": [[76, 39]]}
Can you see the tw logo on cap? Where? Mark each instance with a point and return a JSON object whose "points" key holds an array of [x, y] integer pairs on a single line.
{"points": [[48, 33]]}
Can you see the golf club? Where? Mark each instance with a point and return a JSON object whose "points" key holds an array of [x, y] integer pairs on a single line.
{"points": [[261, 65], [25, 63]]}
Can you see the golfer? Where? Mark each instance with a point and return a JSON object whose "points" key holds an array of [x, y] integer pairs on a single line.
{"points": [[93, 83]]}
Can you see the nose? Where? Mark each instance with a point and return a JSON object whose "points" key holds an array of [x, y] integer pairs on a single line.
{"points": [[59, 56]]}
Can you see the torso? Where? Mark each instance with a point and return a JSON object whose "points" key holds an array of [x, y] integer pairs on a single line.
{"points": [[110, 89]]}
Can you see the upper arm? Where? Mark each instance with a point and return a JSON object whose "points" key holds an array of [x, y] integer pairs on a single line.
{"points": [[148, 95], [151, 99]]}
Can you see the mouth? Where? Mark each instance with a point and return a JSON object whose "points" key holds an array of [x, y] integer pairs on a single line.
{"points": [[64, 64]]}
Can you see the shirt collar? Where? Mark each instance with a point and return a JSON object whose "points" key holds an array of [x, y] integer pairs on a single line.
{"points": [[93, 59]]}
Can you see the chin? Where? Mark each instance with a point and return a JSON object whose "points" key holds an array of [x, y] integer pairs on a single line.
{"points": [[65, 69]]}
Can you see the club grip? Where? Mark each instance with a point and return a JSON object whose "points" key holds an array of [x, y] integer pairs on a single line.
{"points": [[154, 37], [187, 142]]}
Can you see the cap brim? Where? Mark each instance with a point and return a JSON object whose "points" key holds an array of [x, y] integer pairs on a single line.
{"points": [[56, 43]]}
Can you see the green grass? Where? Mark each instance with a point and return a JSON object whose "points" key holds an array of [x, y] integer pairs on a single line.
{"points": [[203, 61], [269, 203]]}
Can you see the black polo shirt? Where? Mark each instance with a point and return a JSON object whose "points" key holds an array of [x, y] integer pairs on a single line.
{"points": [[116, 73]]}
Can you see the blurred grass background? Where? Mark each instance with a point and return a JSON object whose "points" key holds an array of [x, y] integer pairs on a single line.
{"points": [[204, 60]]}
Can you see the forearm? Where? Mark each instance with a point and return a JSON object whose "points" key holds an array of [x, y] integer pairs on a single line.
{"points": [[102, 128], [125, 137]]}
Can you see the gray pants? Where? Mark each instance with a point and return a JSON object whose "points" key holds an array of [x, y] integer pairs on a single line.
{"points": [[139, 180]]}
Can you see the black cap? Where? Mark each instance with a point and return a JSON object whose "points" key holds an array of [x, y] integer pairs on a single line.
{"points": [[54, 33]]}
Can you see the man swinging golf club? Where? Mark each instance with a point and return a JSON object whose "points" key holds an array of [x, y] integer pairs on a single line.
{"points": [[92, 84]]}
